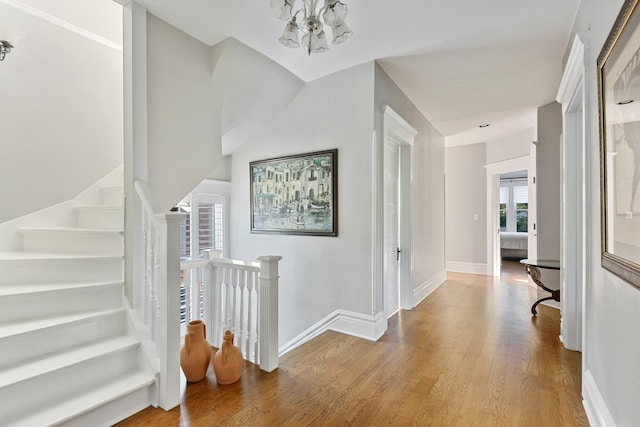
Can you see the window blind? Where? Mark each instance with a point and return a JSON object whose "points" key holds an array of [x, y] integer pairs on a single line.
{"points": [[504, 195], [520, 194]]}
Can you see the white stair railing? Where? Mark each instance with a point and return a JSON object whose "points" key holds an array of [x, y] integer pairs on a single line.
{"points": [[239, 296], [156, 275]]}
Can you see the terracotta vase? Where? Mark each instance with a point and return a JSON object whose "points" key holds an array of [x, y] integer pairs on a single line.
{"points": [[227, 363], [196, 352]]}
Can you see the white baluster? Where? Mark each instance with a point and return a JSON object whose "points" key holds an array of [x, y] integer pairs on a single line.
{"points": [[241, 324]]}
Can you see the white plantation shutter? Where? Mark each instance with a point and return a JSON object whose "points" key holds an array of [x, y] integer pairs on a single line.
{"points": [[210, 226], [185, 231], [204, 227], [218, 226]]}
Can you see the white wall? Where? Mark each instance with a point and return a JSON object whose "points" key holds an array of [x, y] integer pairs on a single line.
{"points": [[61, 108], [428, 181], [466, 196], [511, 146], [184, 140], [612, 306], [223, 171], [317, 274], [548, 180]]}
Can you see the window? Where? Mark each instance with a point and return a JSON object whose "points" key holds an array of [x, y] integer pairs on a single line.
{"points": [[203, 228], [504, 202], [514, 205]]}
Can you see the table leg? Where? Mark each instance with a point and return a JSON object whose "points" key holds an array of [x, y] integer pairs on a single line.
{"points": [[535, 276]]}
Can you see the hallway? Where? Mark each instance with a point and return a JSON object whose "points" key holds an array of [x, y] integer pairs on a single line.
{"points": [[469, 355]]}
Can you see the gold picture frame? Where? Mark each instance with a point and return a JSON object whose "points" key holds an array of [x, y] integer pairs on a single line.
{"points": [[619, 110]]}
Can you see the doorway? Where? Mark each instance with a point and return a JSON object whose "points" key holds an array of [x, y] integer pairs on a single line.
{"points": [[392, 227], [494, 170], [397, 214]]}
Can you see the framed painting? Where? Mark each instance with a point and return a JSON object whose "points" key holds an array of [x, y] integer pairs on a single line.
{"points": [[619, 109], [295, 194]]}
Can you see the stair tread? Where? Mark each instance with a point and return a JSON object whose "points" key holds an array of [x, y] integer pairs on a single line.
{"points": [[45, 256], [72, 230], [87, 401], [8, 290], [64, 359], [13, 329]]}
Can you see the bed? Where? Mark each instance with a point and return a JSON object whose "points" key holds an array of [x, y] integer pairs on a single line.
{"points": [[513, 245]]}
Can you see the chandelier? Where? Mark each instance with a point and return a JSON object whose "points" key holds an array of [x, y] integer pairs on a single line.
{"points": [[5, 47], [314, 40]]}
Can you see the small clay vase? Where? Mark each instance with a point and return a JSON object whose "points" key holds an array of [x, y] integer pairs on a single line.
{"points": [[227, 362], [196, 352]]}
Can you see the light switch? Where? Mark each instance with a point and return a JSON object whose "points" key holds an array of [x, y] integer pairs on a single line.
{"points": [[475, 217]]}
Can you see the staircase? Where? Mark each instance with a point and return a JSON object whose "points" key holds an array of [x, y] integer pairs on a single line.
{"points": [[68, 354]]}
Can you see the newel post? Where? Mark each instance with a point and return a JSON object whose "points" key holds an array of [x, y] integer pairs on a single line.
{"points": [[168, 314], [269, 312]]}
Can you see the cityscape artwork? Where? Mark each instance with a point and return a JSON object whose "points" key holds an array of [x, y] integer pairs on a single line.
{"points": [[295, 194]]}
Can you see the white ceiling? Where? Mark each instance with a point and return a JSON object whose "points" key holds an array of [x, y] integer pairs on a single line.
{"points": [[462, 62]]}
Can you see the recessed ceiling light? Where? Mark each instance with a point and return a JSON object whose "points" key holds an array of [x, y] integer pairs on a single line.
{"points": [[486, 125], [625, 101]]}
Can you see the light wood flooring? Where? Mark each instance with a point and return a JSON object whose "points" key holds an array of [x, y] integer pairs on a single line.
{"points": [[471, 354]]}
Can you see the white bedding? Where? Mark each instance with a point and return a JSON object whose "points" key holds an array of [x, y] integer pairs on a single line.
{"points": [[511, 240]]}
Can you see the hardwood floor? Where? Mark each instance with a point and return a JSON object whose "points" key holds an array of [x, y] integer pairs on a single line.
{"points": [[469, 355]]}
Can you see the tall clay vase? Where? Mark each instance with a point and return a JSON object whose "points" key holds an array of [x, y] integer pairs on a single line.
{"points": [[196, 352], [227, 363]]}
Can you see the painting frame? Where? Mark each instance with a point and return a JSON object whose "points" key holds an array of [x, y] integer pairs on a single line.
{"points": [[295, 194], [618, 75]]}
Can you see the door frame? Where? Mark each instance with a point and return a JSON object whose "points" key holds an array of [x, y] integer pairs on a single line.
{"points": [[573, 239], [493, 171], [400, 132]]}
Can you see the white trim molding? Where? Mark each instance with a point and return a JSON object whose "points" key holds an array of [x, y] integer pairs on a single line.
{"points": [[400, 132], [594, 405], [395, 124], [573, 222], [573, 72], [428, 287], [467, 267], [369, 327]]}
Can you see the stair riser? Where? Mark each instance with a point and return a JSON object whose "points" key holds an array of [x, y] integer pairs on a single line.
{"points": [[15, 308], [46, 341], [116, 410], [103, 218], [112, 195], [65, 271], [53, 387], [76, 242]]}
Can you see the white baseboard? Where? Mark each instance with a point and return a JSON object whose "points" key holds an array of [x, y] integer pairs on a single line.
{"points": [[347, 322], [467, 267], [424, 290], [594, 405]]}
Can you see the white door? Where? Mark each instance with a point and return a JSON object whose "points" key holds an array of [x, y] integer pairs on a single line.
{"points": [[392, 250]]}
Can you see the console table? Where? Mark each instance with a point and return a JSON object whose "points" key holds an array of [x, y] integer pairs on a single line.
{"points": [[533, 266]]}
